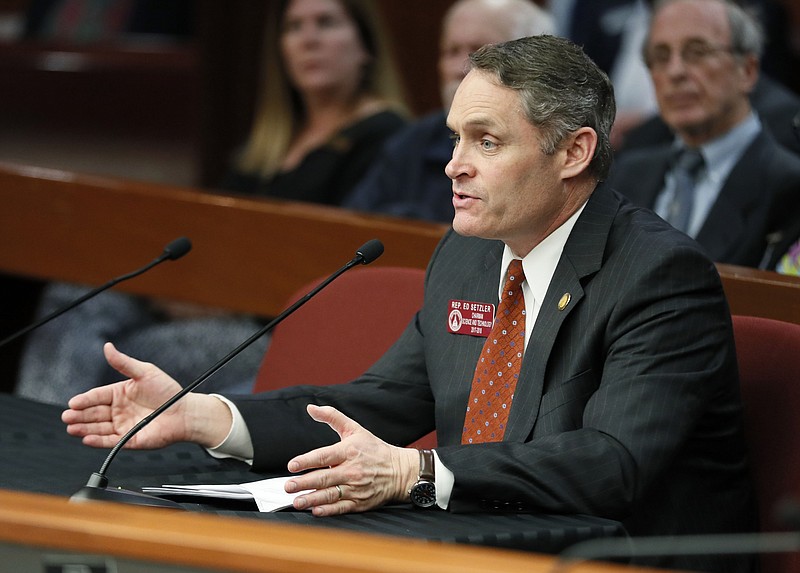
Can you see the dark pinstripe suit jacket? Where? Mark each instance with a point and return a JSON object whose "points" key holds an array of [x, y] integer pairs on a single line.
{"points": [[628, 403]]}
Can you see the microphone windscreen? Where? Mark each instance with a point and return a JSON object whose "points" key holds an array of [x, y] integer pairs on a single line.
{"points": [[177, 248], [370, 251]]}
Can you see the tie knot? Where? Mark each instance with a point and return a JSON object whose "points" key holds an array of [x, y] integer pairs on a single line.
{"points": [[515, 274], [689, 160]]}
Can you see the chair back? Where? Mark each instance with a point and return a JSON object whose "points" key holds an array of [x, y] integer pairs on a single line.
{"points": [[768, 353], [346, 327]]}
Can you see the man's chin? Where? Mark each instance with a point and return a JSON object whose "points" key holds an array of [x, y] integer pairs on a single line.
{"points": [[465, 226], [687, 122]]}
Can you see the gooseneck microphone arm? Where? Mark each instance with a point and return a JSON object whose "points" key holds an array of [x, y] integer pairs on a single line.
{"points": [[98, 480], [174, 250]]}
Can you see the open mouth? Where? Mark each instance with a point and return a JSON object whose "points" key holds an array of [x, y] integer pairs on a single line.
{"points": [[462, 200]]}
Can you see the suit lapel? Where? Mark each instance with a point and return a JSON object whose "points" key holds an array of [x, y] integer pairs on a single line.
{"points": [[479, 286], [483, 287], [726, 221], [582, 257]]}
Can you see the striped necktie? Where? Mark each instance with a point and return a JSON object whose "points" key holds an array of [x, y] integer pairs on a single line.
{"points": [[684, 171]]}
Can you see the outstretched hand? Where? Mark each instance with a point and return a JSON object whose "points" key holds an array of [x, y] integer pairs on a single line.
{"points": [[103, 415], [359, 473]]}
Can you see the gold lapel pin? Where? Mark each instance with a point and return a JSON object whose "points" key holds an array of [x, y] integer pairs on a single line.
{"points": [[565, 298]]}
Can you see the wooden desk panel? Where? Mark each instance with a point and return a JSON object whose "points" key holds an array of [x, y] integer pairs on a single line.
{"points": [[249, 254]]}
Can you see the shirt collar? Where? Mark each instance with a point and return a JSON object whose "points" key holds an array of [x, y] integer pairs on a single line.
{"points": [[722, 153], [540, 264]]}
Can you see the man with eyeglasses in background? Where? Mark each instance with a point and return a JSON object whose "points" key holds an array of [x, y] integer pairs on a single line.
{"points": [[724, 180]]}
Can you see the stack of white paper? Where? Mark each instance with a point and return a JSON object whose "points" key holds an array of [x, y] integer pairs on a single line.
{"points": [[268, 494]]}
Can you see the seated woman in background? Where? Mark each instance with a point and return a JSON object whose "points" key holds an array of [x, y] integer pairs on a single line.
{"points": [[329, 101], [331, 97]]}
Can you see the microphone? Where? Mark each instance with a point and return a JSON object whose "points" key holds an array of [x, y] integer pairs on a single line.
{"points": [[173, 251], [677, 545], [96, 489], [772, 242]]}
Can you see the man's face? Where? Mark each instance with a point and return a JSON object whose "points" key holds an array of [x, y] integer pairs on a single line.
{"points": [[504, 187], [468, 27], [702, 88]]}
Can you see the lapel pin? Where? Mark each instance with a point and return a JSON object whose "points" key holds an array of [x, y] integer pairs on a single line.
{"points": [[565, 298]]}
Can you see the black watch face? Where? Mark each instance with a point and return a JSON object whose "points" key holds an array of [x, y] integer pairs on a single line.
{"points": [[423, 494]]}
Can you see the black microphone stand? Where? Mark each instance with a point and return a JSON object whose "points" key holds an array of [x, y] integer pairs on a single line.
{"points": [[174, 250], [96, 489]]}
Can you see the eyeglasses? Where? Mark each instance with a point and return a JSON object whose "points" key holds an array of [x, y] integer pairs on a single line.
{"points": [[691, 54]]}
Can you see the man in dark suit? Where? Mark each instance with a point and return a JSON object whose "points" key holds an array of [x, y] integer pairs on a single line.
{"points": [[611, 351], [703, 58]]}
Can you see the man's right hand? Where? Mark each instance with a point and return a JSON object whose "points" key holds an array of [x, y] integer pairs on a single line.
{"points": [[103, 415]]}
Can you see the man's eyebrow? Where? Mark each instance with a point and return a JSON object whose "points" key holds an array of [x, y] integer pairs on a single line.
{"points": [[477, 122]]}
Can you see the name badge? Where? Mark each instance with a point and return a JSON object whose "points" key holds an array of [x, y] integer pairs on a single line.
{"points": [[470, 318]]}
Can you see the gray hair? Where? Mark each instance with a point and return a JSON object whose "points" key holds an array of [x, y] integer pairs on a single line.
{"points": [[747, 33], [531, 20], [520, 18], [561, 89]]}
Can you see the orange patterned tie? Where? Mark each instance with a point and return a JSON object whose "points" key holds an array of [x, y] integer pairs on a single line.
{"points": [[498, 367]]}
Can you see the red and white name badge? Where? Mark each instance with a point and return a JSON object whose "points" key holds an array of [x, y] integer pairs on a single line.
{"points": [[471, 318]]}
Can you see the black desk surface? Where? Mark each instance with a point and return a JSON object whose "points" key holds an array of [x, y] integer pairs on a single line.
{"points": [[38, 456]]}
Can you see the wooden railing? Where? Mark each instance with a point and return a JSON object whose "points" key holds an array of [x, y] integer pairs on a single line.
{"points": [[249, 254], [752, 292]]}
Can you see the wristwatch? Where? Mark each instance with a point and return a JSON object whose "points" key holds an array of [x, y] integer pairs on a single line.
{"points": [[423, 492]]}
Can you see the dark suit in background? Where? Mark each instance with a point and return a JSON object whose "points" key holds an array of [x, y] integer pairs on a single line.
{"points": [[776, 107], [408, 178], [760, 196], [627, 406]]}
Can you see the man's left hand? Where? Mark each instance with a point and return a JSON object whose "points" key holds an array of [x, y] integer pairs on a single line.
{"points": [[359, 473]]}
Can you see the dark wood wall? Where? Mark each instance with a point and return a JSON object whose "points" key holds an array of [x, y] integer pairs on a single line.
{"points": [[170, 112]]}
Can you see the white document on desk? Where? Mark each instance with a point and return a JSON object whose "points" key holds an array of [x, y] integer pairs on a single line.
{"points": [[269, 494]]}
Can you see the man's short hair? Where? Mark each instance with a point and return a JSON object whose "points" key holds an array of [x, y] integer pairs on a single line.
{"points": [[561, 88]]}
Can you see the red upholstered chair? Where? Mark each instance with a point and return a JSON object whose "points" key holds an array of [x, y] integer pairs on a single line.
{"points": [[349, 325], [768, 353]]}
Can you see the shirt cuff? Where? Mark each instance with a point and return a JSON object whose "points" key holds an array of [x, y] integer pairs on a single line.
{"points": [[237, 444], [444, 482]]}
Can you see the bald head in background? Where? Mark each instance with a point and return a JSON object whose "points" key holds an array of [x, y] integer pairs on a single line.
{"points": [[470, 24]]}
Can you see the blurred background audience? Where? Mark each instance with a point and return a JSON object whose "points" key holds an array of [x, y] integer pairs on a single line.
{"points": [[742, 188], [332, 98], [329, 103], [171, 92]]}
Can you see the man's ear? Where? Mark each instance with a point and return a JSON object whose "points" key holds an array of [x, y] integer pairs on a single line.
{"points": [[578, 152], [749, 70]]}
